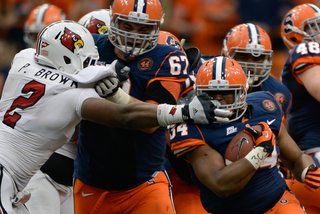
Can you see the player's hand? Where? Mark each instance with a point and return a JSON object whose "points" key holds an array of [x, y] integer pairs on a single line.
{"points": [[265, 138], [107, 86], [312, 180], [121, 69], [201, 110]]}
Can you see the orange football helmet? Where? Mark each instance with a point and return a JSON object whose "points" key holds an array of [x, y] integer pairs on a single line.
{"points": [[97, 21], [145, 12], [297, 21], [168, 38], [39, 18], [252, 40], [224, 75]]}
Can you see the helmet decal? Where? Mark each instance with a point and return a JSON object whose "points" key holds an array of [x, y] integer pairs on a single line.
{"points": [[254, 34], [140, 6], [96, 25], [316, 9], [219, 66], [71, 40]]}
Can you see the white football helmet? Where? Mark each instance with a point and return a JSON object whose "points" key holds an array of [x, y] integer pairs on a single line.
{"points": [[39, 18], [145, 12], [67, 46], [97, 21]]}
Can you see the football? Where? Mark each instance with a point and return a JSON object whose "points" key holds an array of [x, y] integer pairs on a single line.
{"points": [[239, 146]]}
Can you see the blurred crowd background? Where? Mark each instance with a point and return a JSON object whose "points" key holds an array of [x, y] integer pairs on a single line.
{"points": [[202, 23]]}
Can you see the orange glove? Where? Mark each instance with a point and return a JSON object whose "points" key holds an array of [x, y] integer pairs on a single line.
{"points": [[265, 138], [312, 179]]}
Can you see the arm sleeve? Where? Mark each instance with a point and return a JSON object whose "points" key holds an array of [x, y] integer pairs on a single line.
{"points": [[85, 94]]}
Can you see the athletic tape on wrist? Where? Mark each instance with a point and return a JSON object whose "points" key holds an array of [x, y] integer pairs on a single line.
{"points": [[169, 114], [256, 156], [120, 97], [304, 173]]}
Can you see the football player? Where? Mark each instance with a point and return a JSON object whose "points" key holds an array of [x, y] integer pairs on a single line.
{"points": [[122, 170], [300, 32], [253, 183], [49, 90], [51, 187]]}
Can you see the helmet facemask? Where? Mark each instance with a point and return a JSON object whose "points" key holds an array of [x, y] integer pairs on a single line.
{"points": [[256, 72], [312, 26], [126, 41], [223, 88]]}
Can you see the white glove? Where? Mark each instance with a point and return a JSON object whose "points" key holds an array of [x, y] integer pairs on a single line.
{"points": [[203, 111], [107, 86]]}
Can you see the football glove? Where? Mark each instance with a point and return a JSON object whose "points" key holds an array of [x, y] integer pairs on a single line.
{"points": [[202, 110], [107, 86], [265, 138], [122, 71], [312, 179]]}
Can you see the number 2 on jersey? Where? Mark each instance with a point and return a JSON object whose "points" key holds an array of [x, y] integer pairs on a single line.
{"points": [[37, 91]]}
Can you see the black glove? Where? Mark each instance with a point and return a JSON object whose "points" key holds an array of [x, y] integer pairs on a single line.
{"points": [[122, 71], [265, 138], [107, 86], [202, 110]]}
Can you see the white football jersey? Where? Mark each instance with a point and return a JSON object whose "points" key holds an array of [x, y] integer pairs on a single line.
{"points": [[39, 109]]}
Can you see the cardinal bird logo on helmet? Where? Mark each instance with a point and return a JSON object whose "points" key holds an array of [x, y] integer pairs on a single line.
{"points": [[71, 40], [97, 26]]}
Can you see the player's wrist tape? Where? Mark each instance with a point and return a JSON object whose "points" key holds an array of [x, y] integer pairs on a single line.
{"points": [[304, 173], [169, 114], [120, 97], [256, 156]]}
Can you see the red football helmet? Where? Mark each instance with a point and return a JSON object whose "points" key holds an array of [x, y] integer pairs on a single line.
{"points": [[296, 23], [247, 41], [168, 38], [222, 75], [97, 21], [39, 18], [145, 12]]}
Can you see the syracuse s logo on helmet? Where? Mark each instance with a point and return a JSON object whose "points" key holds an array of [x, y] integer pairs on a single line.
{"points": [[71, 40]]}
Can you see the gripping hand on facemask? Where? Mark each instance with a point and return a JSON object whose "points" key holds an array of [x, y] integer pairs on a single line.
{"points": [[107, 87], [264, 139], [202, 110]]}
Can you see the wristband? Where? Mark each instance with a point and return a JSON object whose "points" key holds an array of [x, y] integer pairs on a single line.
{"points": [[120, 97], [304, 173], [256, 156], [169, 114]]}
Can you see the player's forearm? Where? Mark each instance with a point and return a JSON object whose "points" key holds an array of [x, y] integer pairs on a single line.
{"points": [[302, 163]]}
